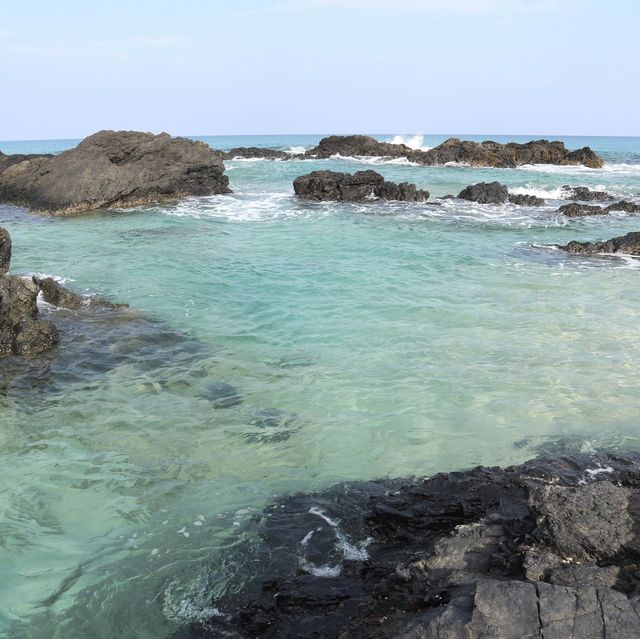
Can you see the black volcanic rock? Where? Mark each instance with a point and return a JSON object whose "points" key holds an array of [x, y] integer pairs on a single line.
{"points": [[584, 194], [255, 152], [485, 193], [526, 200], [581, 210], [5, 250], [628, 244], [345, 187], [114, 169], [355, 146], [546, 549], [486, 153], [56, 294]]}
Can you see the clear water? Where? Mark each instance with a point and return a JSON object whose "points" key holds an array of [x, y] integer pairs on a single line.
{"points": [[393, 339]]}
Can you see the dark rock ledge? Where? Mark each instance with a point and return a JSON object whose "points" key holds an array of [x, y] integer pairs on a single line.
{"points": [[496, 193], [112, 169], [22, 332], [583, 210], [357, 187], [628, 244], [549, 549], [486, 153]]}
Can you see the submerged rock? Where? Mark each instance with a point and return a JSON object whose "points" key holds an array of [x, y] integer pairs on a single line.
{"points": [[546, 549], [584, 194], [485, 193], [221, 394], [628, 244], [114, 169], [346, 187], [486, 153]]}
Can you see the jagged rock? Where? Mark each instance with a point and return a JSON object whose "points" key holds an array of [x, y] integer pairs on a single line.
{"points": [[485, 193], [546, 549], [584, 194], [582, 210], [526, 200], [5, 250], [624, 205], [35, 336], [58, 295], [8, 160], [362, 185], [628, 244], [486, 153], [114, 169], [21, 333], [255, 152], [357, 146]]}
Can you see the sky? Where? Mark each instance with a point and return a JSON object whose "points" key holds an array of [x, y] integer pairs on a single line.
{"points": [[196, 67]]}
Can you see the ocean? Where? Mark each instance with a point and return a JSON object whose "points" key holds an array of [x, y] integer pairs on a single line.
{"points": [[360, 341]]}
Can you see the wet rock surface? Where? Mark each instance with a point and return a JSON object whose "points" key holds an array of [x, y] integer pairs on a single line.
{"points": [[486, 153], [255, 152], [546, 549], [113, 169], [5, 251], [585, 194], [628, 244], [583, 210], [56, 294], [526, 200], [321, 186], [485, 193]]}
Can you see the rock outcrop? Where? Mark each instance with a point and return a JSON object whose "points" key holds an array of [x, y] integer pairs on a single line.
{"points": [[584, 194], [485, 193], [486, 153], [21, 332], [114, 169], [320, 186], [582, 210], [526, 200], [255, 152], [547, 549], [628, 244], [57, 295]]}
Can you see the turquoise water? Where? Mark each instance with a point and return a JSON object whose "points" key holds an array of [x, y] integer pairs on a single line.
{"points": [[391, 339]]}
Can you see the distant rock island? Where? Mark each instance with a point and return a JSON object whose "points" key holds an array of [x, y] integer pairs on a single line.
{"points": [[488, 153], [112, 169]]}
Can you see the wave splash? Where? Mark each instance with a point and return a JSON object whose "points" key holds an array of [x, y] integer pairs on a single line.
{"points": [[412, 141]]}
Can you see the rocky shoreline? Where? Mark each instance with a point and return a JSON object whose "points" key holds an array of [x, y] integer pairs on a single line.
{"points": [[548, 549]]}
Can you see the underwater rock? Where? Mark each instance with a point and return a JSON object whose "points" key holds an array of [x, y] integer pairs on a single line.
{"points": [[485, 193], [584, 194], [628, 244], [486, 153], [549, 548], [5, 251], [58, 295], [270, 425], [114, 169], [346, 187], [221, 394]]}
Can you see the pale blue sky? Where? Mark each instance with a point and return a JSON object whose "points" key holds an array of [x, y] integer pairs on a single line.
{"points": [[71, 67]]}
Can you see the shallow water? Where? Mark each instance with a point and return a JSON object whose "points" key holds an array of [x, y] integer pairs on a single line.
{"points": [[363, 340]]}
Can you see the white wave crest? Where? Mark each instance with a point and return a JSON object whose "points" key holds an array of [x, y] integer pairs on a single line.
{"points": [[412, 141], [373, 159], [546, 194]]}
